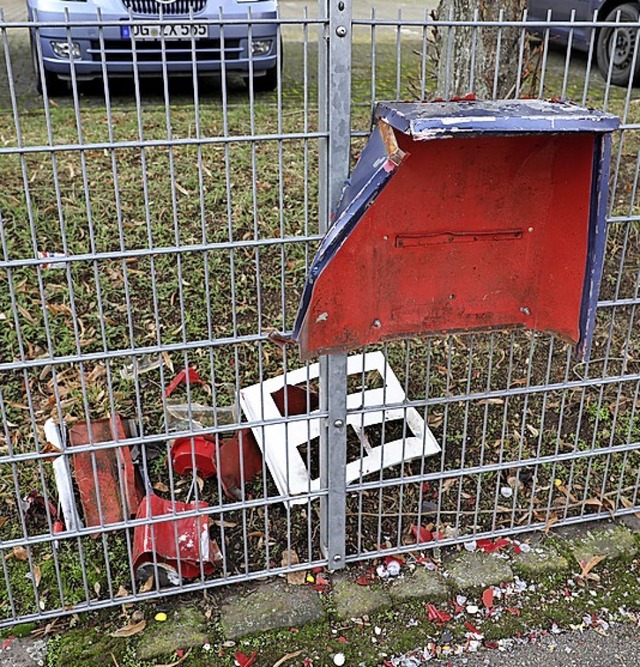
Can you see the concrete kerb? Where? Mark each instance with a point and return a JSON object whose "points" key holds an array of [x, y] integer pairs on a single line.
{"points": [[460, 573], [255, 610]]}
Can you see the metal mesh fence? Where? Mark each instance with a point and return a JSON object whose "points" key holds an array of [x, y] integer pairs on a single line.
{"points": [[157, 224]]}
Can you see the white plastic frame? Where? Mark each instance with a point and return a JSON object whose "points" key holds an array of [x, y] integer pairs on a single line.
{"points": [[279, 442]]}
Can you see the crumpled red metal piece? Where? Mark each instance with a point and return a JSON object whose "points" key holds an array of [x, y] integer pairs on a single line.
{"points": [[440, 617], [185, 539]]}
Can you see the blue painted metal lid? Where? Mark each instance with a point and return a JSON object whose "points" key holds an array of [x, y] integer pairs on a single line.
{"points": [[434, 120]]}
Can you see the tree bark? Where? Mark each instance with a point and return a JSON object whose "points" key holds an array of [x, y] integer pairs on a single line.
{"points": [[480, 60]]}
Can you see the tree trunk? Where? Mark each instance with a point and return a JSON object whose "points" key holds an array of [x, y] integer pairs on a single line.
{"points": [[491, 73]]}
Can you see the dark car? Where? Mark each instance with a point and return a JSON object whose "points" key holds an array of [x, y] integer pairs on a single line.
{"points": [[614, 46]]}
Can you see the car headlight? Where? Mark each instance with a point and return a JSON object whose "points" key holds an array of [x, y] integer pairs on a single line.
{"points": [[66, 49], [260, 47]]}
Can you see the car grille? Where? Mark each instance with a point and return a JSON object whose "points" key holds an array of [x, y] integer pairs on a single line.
{"points": [[119, 51], [178, 7]]}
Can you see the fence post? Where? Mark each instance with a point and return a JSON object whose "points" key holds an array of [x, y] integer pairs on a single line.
{"points": [[334, 100]]}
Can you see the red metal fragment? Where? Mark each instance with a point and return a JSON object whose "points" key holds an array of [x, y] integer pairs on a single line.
{"points": [[196, 449], [487, 597], [244, 660], [113, 467], [421, 534], [440, 617], [472, 628], [181, 378], [365, 579], [240, 460], [489, 546], [185, 539]]}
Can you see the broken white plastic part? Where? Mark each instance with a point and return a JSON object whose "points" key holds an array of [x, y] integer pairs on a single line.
{"points": [[62, 474], [279, 442]]}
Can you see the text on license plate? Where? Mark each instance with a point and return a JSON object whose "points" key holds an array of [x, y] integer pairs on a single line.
{"points": [[168, 30]]}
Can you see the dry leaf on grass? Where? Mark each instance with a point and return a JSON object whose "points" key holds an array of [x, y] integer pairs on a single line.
{"points": [[550, 521], [293, 578], [37, 575], [122, 592], [130, 630], [628, 504], [284, 658], [589, 565], [160, 486], [50, 448], [20, 553]]}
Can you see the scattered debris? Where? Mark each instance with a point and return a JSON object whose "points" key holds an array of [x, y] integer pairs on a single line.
{"points": [[33, 501], [144, 364], [187, 374]]}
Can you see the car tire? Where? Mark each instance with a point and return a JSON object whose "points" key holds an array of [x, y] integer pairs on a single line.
{"points": [[55, 86], [626, 37]]}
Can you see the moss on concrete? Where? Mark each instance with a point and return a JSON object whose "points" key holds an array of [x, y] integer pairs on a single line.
{"points": [[353, 601], [474, 572], [539, 561], [429, 585], [268, 607], [614, 542], [184, 628]]}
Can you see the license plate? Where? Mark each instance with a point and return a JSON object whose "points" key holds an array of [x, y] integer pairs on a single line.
{"points": [[168, 30]]}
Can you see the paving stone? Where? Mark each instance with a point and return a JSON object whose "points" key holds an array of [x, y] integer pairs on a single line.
{"points": [[476, 571], [422, 583], [184, 628], [354, 601], [614, 542], [539, 561], [24, 652], [270, 606]]}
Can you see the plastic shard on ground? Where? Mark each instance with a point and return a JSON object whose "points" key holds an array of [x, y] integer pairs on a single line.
{"points": [[280, 439]]}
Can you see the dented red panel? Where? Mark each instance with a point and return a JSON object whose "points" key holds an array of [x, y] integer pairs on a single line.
{"points": [[483, 232]]}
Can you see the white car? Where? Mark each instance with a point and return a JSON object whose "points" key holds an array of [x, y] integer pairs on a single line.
{"points": [[182, 32]]}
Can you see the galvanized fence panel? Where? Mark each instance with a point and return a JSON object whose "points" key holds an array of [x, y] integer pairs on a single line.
{"points": [[154, 225]]}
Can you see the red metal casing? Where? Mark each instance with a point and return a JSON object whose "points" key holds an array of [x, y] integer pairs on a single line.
{"points": [[481, 231]]}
